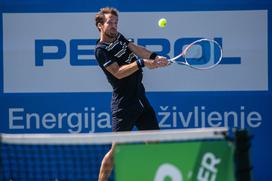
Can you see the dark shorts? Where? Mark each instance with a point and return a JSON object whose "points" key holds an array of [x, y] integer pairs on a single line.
{"points": [[144, 118]]}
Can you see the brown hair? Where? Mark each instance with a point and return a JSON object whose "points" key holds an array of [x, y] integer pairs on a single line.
{"points": [[100, 16]]}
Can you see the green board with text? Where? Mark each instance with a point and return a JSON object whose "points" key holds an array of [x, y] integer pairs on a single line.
{"points": [[183, 161]]}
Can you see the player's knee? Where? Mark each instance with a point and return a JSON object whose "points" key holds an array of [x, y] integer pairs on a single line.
{"points": [[108, 159]]}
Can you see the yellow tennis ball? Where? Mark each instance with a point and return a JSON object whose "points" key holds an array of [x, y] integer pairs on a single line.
{"points": [[162, 22]]}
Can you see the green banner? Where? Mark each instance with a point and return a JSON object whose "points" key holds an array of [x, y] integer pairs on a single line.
{"points": [[183, 161]]}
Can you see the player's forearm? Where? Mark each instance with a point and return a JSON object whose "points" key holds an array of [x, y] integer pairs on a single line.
{"points": [[125, 70], [144, 53], [140, 51]]}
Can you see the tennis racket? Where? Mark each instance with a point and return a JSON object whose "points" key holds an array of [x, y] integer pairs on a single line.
{"points": [[202, 54]]}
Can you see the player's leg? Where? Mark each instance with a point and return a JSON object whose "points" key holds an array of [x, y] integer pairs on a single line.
{"points": [[119, 123], [106, 165], [148, 119]]}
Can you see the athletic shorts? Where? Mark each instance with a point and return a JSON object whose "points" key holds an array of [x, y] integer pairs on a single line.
{"points": [[144, 118]]}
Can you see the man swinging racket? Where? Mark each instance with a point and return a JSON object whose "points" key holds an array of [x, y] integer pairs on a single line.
{"points": [[122, 62]]}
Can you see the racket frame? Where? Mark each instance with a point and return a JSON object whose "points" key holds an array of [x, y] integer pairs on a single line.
{"points": [[183, 53]]}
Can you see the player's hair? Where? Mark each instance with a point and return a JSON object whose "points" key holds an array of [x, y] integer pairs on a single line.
{"points": [[100, 16]]}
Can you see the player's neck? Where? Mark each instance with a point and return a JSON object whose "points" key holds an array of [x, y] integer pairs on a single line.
{"points": [[107, 39]]}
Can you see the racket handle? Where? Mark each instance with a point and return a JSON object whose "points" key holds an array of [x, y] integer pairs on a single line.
{"points": [[171, 61]]}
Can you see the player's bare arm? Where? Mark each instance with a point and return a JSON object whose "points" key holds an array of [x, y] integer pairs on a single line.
{"points": [[144, 53], [125, 70], [122, 71]]}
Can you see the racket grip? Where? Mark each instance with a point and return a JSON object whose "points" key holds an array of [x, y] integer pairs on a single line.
{"points": [[171, 61]]}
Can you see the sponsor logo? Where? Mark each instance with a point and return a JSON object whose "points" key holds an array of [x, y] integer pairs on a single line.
{"points": [[72, 48], [61, 58]]}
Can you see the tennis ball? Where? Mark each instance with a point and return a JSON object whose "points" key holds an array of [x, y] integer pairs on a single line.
{"points": [[162, 22]]}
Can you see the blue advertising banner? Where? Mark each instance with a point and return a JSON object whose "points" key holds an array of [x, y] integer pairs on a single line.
{"points": [[51, 83]]}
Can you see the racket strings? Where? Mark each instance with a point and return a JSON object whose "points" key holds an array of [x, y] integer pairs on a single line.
{"points": [[203, 54]]}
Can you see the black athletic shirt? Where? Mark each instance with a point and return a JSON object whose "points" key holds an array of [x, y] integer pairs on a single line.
{"points": [[128, 91]]}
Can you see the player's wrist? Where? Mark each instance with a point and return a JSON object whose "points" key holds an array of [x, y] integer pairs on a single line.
{"points": [[140, 63], [153, 56]]}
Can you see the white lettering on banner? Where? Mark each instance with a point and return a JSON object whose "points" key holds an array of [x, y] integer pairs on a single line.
{"points": [[170, 118], [168, 170], [44, 48], [13, 118], [208, 170], [89, 120], [75, 121]]}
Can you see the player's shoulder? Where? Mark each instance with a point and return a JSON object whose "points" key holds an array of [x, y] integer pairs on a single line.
{"points": [[100, 45], [108, 46], [122, 38]]}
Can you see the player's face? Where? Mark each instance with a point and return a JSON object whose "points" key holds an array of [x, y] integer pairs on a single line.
{"points": [[110, 26]]}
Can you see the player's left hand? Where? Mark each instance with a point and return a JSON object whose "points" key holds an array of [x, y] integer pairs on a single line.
{"points": [[161, 61]]}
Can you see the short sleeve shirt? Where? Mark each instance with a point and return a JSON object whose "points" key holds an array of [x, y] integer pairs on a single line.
{"points": [[126, 91]]}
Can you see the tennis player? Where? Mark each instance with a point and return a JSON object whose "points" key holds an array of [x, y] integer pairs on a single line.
{"points": [[122, 62]]}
